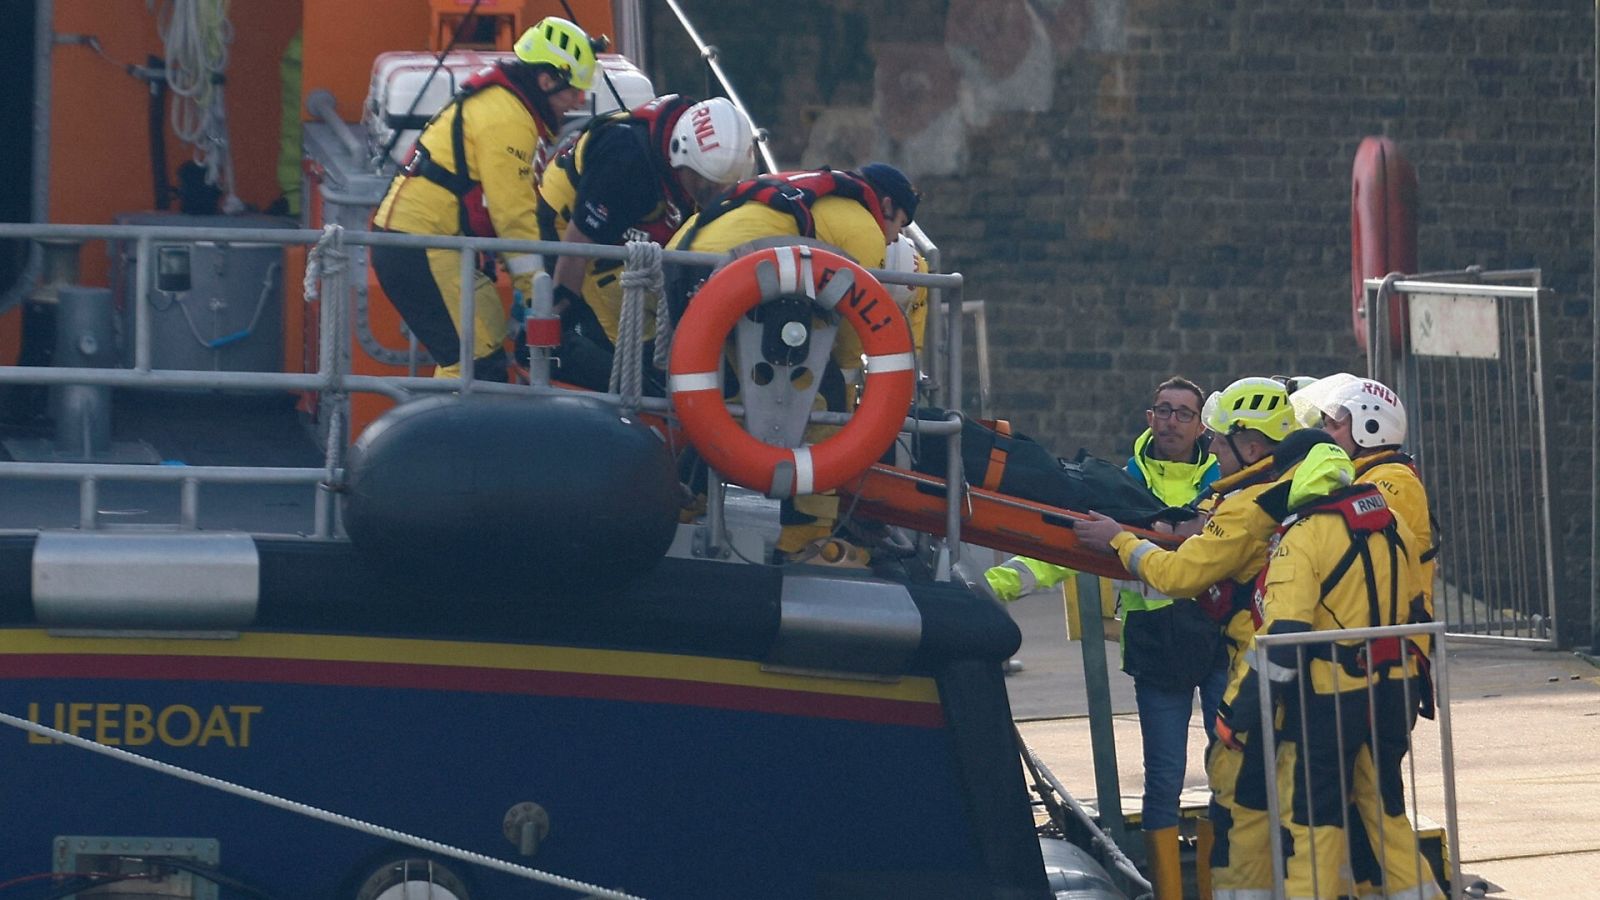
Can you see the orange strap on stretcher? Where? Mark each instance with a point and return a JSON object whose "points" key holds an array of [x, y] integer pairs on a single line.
{"points": [[997, 455]]}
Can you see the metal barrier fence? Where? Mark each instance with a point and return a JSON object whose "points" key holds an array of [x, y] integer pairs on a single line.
{"points": [[1469, 368], [333, 380], [1369, 709]]}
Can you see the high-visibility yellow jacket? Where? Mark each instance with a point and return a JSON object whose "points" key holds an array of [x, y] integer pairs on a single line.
{"points": [[1231, 546], [1316, 581], [501, 137], [1174, 483]]}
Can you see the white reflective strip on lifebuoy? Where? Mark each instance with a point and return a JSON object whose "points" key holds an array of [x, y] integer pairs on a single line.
{"points": [[787, 274], [890, 362], [804, 472], [523, 263], [839, 284], [692, 381], [807, 278]]}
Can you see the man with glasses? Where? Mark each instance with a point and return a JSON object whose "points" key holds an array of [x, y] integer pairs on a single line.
{"points": [[1171, 648], [1170, 458], [1218, 567]]}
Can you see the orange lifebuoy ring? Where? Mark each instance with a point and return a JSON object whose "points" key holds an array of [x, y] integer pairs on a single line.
{"points": [[835, 283], [1383, 229]]}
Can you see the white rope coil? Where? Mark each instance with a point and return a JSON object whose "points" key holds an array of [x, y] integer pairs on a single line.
{"points": [[641, 276], [195, 35], [326, 259], [313, 812]]}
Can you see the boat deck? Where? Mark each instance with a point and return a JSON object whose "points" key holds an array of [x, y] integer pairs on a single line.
{"points": [[189, 428]]}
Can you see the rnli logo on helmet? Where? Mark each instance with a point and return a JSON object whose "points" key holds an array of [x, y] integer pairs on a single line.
{"points": [[1379, 391], [705, 130]]}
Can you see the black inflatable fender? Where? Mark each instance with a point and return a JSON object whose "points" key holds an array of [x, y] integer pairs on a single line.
{"points": [[547, 496]]}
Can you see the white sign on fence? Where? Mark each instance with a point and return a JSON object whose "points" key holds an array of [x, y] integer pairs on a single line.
{"points": [[1455, 325]]}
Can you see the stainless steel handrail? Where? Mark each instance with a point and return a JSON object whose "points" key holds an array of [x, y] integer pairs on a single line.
{"points": [[1441, 675], [332, 378]]}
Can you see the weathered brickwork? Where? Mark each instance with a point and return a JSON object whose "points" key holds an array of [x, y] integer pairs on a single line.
{"points": [[1180, 200]]}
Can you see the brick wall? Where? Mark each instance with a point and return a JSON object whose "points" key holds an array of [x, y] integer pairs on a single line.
{"points": [[1143, 187]]}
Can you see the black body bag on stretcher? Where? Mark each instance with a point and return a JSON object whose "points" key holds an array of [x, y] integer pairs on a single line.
{"points": [[998, 459]]}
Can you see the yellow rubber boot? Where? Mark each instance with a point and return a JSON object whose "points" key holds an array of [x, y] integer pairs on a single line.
{"points": [[1203, 838], [1161, 858]]}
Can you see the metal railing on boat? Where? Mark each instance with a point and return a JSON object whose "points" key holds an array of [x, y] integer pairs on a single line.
{"points": [[333, 381]]}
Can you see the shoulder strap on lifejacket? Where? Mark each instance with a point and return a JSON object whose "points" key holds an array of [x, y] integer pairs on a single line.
{"points": [[458, 182], [793, 193], [657, 117], [1364, 513]]}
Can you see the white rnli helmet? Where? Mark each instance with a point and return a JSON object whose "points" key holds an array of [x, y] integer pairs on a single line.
{"points": [[1312, 401], [900, 256], [1377, 417], [715, 139]]}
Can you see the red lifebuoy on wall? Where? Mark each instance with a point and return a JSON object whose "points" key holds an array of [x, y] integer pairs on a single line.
{"points": [[835, 283], [1383, 228]]}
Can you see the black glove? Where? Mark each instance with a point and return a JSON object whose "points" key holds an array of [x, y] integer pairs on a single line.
{"points": [[579, 319], [1243, 716]]}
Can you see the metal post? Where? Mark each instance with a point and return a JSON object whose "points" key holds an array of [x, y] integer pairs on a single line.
{"points": [[1447, 756], [44, 22], [88, 504], [956, 482], [1594, 382], [141, 307], [1543, 454], [1269, 752], [189, 504], [84, 339], [469, 271], [322, 513], [980, 320], [716, 496], [1097, 686], [540, 306]]}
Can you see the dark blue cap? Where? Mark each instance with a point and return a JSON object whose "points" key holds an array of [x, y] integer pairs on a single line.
{"points": [[893, 183]]}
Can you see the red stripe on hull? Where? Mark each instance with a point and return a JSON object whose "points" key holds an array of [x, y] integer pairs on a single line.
{"points": [[463, 678]]}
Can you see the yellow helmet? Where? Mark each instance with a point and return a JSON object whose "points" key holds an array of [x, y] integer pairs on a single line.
{"points": [[563, 46], [1257, 404]]}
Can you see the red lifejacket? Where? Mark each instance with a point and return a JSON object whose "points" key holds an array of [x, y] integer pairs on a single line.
{"points": [[792, 193], [1365, 513], [474, 213], [657, 118]]}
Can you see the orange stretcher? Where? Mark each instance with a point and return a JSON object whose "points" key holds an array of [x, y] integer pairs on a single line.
{"points": [[989, 519]]}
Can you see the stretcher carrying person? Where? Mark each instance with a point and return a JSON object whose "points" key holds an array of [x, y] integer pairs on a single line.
{"points": [[471, 173], [1339, 559], [631, 176], [1218, 567]]}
